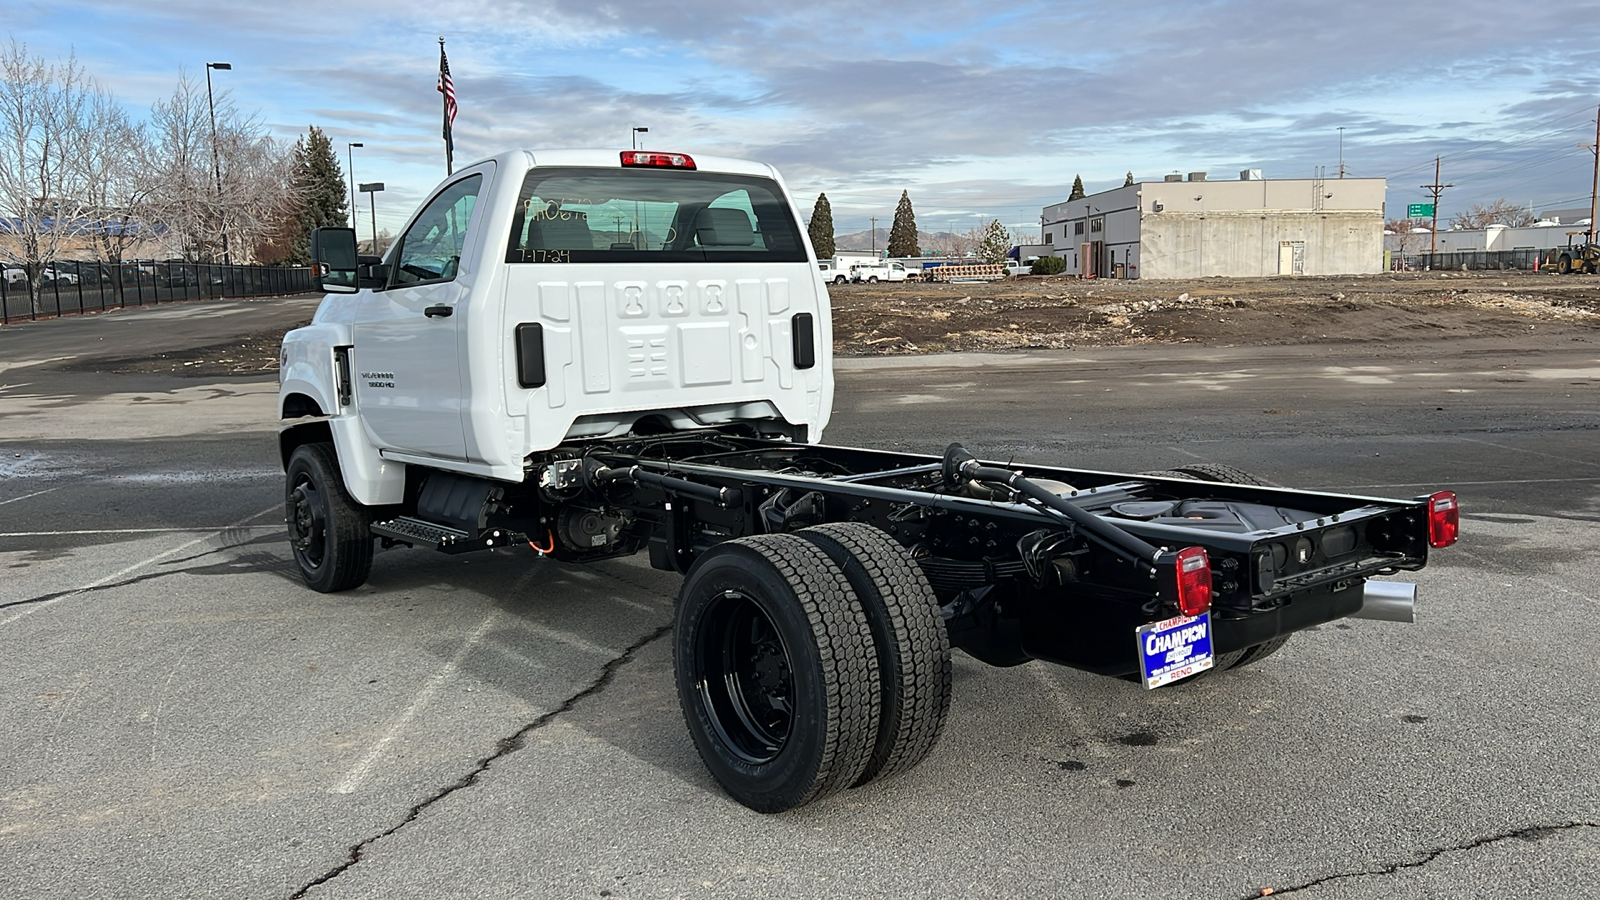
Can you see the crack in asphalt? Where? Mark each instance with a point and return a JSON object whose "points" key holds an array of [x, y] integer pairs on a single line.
{"points": [[260, 562], [504, 747], [1530, 834], [45, 598]]}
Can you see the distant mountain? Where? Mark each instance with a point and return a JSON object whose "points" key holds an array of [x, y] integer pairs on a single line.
{"points": [[862, 241]]}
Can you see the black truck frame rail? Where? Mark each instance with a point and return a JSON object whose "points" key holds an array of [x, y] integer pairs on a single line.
{"points": [[1027, 562]]}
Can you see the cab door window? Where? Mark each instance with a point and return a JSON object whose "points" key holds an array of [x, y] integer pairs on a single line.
{"points": [[430, 250]]}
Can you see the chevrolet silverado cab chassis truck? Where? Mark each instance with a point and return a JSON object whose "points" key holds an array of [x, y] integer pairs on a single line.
{"points": [[582, 354]]}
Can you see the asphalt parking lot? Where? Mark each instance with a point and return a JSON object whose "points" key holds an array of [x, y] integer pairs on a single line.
{"points": [[185, 719]]}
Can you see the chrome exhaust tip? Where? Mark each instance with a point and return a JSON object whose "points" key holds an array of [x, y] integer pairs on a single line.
{"points": [[1388, 601]]}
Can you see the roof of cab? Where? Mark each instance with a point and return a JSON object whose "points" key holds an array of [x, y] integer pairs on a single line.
{"points": [[612, 159]]}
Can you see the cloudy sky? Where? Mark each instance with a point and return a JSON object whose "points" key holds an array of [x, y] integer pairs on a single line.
{"points": [[980, 110]]}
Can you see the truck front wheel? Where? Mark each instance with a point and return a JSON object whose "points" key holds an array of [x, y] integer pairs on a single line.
{"points": [[328, 530], [776, 671]]}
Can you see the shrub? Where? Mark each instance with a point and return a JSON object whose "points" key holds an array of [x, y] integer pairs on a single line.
{"points": [[1049, 265]]}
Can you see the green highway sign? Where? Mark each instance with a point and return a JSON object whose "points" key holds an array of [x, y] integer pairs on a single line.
{"points": [[1419, 211]]}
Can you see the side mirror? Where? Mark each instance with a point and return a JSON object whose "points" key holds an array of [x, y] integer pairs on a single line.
{"points": [[371, 273], [333, 259]]}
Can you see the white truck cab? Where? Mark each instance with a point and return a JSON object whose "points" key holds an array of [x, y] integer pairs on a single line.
{"points": [[542, 296]]}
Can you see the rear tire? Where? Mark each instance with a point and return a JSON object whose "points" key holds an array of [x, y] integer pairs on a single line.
{"points": [[776, 671], [1227, 475], [1565, 265], [329, 532], [913, 646], [1261, 651], [1211, 472]]}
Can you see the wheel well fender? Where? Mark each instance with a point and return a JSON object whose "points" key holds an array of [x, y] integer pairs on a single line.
{"points": [[298, 406], [305, 433]]}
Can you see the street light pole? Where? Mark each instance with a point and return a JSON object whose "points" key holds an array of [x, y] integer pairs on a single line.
{"points": [[371, 189], [350, 160], [635, 136], [216, 164]]}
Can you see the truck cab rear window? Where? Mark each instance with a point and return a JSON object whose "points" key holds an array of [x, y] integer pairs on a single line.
{"points": [[635, 215]]}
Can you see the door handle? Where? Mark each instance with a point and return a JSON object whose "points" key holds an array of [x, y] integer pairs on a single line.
{"points": [[443, 312]]}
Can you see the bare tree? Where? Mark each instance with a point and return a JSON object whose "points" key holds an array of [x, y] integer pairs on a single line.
{"points": [[117, 181], [1402, 230], [187, 208], [1500, 212], [44, 142]]}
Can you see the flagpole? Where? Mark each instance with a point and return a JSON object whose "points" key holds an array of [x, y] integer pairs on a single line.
{"points": [[446, 90]]}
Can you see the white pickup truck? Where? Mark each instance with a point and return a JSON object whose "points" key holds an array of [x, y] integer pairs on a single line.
{"points": [[585, 354], [876, 272]]}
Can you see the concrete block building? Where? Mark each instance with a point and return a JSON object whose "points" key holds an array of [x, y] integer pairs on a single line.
{"points": [[1196, 227]]}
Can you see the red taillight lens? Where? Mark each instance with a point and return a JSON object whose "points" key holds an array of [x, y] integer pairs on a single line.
{"points": [[1194, 581], [657, 160], [1444, 519]]}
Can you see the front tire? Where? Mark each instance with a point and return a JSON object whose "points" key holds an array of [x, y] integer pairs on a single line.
{"points": [[776, 671], [912, 643], [329, 532], [1565, 265]]}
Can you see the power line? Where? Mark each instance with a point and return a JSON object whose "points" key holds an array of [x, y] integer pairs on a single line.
{"points": [[1436, 189], [1488, 145]]}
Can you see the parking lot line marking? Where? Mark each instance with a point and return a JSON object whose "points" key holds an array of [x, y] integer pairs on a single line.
{"points": [[216, 532], [358, 773], [208, 528], [26, 496], [1579, 479]]}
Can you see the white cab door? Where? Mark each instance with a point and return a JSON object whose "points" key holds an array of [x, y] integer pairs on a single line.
{"points": [[407, 358]]}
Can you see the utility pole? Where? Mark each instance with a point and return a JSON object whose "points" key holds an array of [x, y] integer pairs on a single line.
{"points": [[874, 235], [1436, 189], [1594, 192], [1341, 151]]}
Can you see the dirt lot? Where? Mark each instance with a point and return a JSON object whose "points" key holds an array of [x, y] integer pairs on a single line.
{"points": [[1061, 312]]}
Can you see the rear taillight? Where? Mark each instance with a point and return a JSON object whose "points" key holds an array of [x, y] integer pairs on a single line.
{"points": [[649, 160], [1444, 519], [1194, 581]]}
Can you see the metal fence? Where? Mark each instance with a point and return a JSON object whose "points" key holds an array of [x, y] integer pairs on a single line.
{"points": [[1471, 260], [73, 287]]}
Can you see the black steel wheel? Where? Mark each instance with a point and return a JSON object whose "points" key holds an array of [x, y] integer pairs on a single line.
{"points": [[776, 671], [329, 532], [912, 643]]}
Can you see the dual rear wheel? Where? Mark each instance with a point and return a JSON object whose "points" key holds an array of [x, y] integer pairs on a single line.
{"points": [[808, 663]]}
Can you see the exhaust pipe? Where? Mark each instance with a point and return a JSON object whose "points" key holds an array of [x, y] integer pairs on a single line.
{"points": [[1388, 601]]}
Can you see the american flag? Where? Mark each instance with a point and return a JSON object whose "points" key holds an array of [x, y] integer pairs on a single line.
{"points": [[448, 89]]}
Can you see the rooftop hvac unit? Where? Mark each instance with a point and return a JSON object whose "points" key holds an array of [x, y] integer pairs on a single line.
{"points": [[1249, 174], [1197, 176], [1174, 177]]}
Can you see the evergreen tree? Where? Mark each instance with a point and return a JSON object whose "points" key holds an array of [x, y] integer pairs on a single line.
{"points": [[319, 191], [903, 234], [1129, 182], [996, 241], [821, 228], [1077, 188]]}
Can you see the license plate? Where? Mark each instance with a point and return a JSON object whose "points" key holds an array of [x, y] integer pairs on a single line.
{"points": [[1174, 649]]}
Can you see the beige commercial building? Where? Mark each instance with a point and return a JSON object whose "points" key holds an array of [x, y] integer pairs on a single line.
{"points": [[1196, 227]]}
